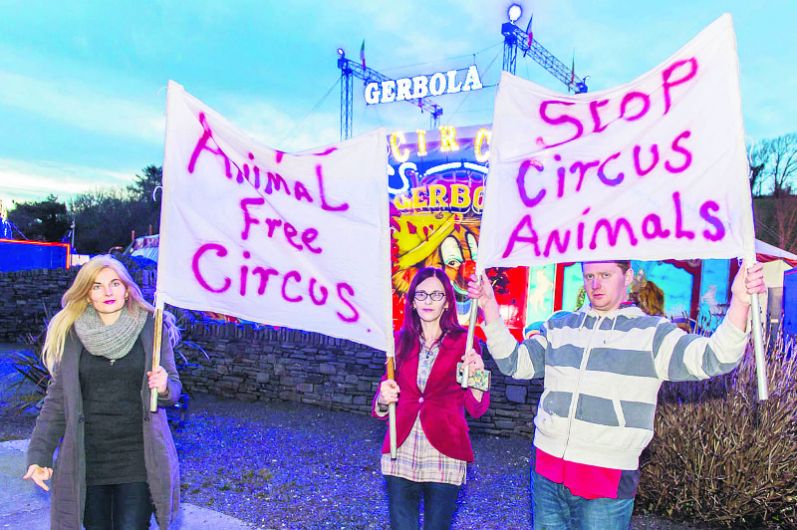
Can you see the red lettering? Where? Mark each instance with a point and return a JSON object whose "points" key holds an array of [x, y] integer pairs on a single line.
{"points": [[654, 150], [221, 252], [344, 291], [680, 232], [582, 168], [300, 192], [248, 219], [676, 147], [275, 181], [705, 212], [203, 144], [596, 119], [342, 207], [559, 120], [308, 236], [290, 233], [517, 237], [651, 227], [580, 240], [264, 273], [288, 276], [628, 98], [272, 223], [669, 81], [243, 274], [554, 239], [602, 172], [613, 232], [324, 292], [529, 202]]}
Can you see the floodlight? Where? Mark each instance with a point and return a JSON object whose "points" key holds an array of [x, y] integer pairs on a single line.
{"points": [[514, 12]]}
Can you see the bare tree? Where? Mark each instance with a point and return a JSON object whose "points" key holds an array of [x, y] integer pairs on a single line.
{"points": [[755, 167], [774, 162], [773, 172], [785, 213]]}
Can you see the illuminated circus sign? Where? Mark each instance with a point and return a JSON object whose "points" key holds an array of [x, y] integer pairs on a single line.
{"points": [[420, 86]]}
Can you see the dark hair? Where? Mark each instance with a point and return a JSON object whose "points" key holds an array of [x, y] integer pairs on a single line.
{"points": [[410, 332]]}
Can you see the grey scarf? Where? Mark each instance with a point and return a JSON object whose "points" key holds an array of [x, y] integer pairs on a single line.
{"points": [[112, 342]]}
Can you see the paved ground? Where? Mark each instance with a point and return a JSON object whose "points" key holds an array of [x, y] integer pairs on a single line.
{"points": [[23, 505], [284, 465]]}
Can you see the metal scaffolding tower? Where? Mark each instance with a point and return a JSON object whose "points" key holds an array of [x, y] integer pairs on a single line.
{"points": [[515, 38], [348, 71]]}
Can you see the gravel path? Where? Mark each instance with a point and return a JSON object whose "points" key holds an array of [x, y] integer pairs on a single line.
{"points": [[287, 465]]}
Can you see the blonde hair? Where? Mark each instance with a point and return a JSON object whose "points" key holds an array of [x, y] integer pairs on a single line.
{"points": [[76, 299]]}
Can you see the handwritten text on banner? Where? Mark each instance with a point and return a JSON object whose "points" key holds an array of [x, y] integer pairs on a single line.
{"points": [[296, 240], [654, 169]]}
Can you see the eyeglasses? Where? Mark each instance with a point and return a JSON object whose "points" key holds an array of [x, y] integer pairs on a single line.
{"points": [[436, 296]]}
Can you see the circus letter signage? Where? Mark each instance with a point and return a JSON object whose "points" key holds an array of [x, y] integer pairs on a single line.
{"points": [[420, 86]]}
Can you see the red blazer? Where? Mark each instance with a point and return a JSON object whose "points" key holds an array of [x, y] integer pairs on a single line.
{"points": [[441, 405]]}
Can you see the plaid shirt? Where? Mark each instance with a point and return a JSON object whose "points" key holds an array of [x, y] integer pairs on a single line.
{"points": [[417, 459]]}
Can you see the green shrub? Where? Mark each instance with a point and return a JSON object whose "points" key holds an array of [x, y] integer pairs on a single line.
{"points": [[720, 456]]}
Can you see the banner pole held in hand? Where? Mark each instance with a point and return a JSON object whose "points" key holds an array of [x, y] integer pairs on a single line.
{"points": [[469, 267], [758, 342], [391, 410], [156, 353], [758, 346]]}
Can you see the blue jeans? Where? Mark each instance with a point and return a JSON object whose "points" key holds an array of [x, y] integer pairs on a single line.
{"points": [[404, 497], [118, 507], [555, 508]]}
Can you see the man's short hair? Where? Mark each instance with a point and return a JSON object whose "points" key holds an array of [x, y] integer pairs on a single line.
{"points": [[623, 264]]}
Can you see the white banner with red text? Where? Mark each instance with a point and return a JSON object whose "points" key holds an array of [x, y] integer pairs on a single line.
{"points": [[654, 169], [295, 240]]}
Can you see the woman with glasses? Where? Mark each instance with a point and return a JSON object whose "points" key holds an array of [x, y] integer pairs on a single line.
{"points": [[431, 432]]}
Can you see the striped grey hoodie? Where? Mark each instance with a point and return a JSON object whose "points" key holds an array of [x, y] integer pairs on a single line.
{"points": [[602, 376]]}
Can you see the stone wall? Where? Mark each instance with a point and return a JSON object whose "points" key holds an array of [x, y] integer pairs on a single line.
{"points": [[263, 364], [288, 365], [28, 298]]}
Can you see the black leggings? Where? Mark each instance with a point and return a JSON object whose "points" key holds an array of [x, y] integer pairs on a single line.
{"points": [[118, 507]]}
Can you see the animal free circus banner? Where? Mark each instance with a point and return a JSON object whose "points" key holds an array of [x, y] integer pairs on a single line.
{"points": [[297, 240], [436, 182], [652, 170]]}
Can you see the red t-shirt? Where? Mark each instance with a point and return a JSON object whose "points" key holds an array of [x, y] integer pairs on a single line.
{"points": [[587, 481]]}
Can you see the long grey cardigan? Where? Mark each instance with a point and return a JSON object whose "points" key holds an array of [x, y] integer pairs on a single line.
{"points": [[61, 418]]}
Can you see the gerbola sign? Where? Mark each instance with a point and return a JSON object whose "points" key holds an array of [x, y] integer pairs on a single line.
{"points": [[421, 86]]}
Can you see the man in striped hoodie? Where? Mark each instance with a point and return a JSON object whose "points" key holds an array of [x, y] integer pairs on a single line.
{"points": [[603, 366]]}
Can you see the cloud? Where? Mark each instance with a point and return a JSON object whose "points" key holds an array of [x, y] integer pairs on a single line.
{"points": [[33, 181], [280, 127], [82, 106]]}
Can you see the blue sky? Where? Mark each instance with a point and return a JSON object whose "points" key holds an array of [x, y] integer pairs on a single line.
{"points": [[82, 84]]}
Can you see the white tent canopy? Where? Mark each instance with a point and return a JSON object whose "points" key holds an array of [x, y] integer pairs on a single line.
{"points": [[772, 250]]}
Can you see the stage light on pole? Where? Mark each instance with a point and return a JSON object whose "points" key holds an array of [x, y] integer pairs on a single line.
{"points": [[341, 52], [514, 13]]}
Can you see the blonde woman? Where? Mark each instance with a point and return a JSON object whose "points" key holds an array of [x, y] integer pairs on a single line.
{"points": [[116, 460]]}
